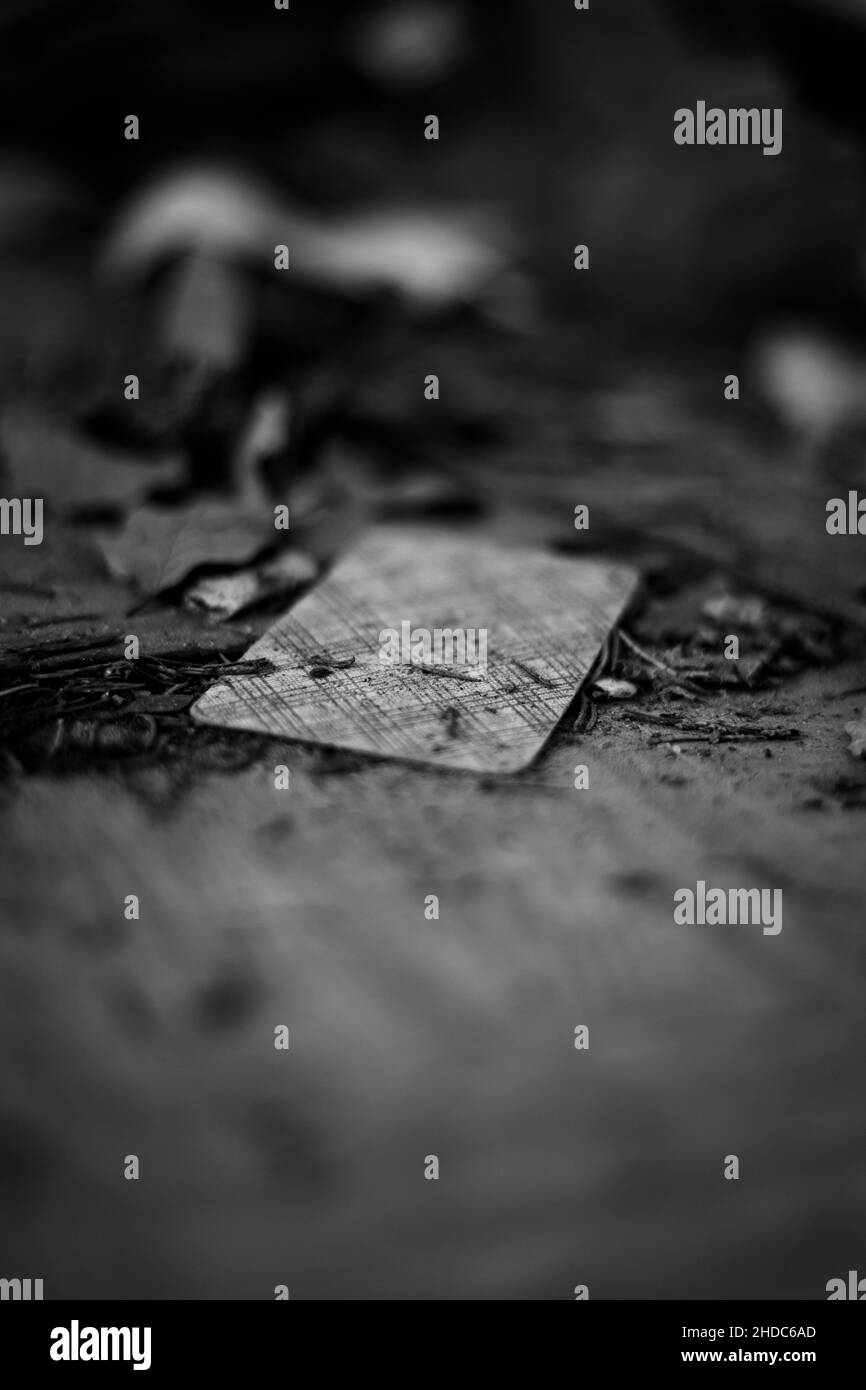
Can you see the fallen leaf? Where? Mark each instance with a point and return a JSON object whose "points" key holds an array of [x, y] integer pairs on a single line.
{"points": [[159, 547], [431, 256], [224, 595]]}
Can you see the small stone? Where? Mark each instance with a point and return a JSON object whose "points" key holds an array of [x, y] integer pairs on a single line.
{"points": [[856, 731]]}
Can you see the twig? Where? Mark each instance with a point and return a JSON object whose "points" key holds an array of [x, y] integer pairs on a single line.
{"points": [[534, 675], [449, 672], [648, 657], [769, 736], [587, 715], [32, 623]]}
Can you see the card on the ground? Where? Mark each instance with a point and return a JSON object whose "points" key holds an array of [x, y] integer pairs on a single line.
{"points": [[432, 647]]}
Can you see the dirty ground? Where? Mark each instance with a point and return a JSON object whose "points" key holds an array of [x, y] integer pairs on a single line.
{"points": [[455, 1037], [305, 907]]}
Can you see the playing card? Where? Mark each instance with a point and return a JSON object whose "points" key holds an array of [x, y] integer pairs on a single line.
{"points": [[430, 646]]}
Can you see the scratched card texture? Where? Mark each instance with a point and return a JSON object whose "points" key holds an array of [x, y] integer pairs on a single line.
{"points": [[545, 616]]}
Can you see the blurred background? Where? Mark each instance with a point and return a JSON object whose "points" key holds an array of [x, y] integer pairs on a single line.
{"points": [[260, 127]]}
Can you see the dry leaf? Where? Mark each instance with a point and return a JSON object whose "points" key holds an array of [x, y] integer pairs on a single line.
{"points": [[431, 256], [224, 595], [159, 547]]}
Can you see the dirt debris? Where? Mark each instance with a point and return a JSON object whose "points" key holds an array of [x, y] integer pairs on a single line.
{"points": [[856, 731], [76, 696]]}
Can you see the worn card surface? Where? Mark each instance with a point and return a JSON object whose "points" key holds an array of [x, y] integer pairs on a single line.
{"points": [[429, 646]]}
